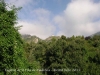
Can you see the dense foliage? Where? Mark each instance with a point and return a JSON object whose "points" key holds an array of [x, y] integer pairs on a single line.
{"points": [[12, 53], [68, 56]]}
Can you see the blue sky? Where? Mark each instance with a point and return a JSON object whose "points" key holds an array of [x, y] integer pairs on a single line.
{"points": [[44, 18]]}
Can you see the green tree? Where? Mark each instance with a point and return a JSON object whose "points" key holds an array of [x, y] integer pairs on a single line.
{"points": [[12, 53], [11, 44]]}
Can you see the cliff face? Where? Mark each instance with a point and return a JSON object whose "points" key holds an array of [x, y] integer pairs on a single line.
{"points": [[52, 37], [29, 38]]}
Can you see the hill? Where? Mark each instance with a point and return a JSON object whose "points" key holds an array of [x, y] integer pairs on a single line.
{"points": [[28, 38], [52, 37], [98, 33]]}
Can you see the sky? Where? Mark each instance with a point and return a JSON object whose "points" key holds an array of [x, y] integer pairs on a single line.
{"points": [[44, 18]]}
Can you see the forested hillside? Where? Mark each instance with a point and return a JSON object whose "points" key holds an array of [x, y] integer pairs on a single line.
{"points": [[76, 55], [67, 56]]}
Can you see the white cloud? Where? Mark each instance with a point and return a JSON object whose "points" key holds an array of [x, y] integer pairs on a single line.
{"points": [[42, 15], [41, 12], [41, 26], [39, 30], [79, 18]]}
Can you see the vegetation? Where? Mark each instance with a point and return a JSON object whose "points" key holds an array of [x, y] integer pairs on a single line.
{"points": [[68, 56], [12, 53], [76, 55]]}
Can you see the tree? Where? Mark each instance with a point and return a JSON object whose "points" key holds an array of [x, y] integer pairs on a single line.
{"points": [[11, 44], [12, 54]]}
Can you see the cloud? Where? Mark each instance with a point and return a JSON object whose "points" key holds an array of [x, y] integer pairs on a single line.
{"points": [[34, 21], [41, 14], [41, 26], [37, 29], [81, 17]]}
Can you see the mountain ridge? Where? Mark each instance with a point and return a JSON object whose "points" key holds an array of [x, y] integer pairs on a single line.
{"points": [[33, 38]]}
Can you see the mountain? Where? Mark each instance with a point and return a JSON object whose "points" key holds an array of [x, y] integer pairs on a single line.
{"points": [[28, 38], [52, 37], [98, 33]]}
